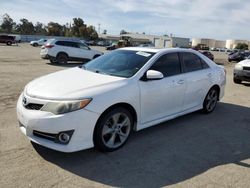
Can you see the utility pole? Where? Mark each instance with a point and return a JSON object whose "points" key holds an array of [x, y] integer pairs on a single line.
{"points": [[99, 28]]}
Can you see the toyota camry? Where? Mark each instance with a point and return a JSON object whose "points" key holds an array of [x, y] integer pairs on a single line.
{"points": [[100, 103]]}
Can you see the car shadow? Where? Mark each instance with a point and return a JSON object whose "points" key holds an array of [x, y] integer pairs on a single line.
{"points": [[166, 154]]}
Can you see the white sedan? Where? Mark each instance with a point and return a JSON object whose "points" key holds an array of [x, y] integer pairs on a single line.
{"points": [[100, 103], [36, 43]]}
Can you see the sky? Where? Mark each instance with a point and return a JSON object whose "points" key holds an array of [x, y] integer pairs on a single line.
{"points": [[217, 19]]}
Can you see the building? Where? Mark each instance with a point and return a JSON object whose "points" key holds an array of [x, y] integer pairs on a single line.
{"points": [[231, 44], [204, 42], [158, 41], [212, 43], [219, 44], [109, 37]]}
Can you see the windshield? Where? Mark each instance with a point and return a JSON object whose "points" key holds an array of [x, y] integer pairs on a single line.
{"points": [[122, 63]]}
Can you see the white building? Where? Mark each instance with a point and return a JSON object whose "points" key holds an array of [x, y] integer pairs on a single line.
{"points": [[231, 44], [159, 41]]}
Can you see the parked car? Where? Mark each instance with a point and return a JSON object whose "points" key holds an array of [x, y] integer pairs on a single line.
{"points": [[238, 56], [90, 43], [242, 71], [112, 46], [17, 37], [36, 43], [100, 103], [8, 40], [208, 54], [148, 45], [103, 43], [62, 51]]}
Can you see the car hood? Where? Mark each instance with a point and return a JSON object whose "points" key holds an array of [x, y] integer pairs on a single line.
{"points": [[245, 63], [74, 83]]}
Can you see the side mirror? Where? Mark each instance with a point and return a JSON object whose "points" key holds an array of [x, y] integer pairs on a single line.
{"points": [[154, 75]]}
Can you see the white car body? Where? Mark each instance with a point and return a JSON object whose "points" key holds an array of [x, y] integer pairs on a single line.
{"points": [[80, 51], [242, 71], [153, 101]]}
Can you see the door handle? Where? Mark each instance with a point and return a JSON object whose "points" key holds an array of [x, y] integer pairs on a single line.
{"points": [[180, 82]]}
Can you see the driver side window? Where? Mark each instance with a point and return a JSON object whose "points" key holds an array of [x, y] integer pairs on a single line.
{"points": [[168, 65]]}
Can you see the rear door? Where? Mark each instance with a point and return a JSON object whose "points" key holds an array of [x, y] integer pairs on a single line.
{"points": [[198, 77], [161, 98]]}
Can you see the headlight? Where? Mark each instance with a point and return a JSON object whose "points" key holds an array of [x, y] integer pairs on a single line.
{"points": [[238, 67], [65, 106]]}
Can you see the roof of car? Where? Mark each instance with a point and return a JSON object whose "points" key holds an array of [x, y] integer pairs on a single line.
{"points": [[156, 50]]}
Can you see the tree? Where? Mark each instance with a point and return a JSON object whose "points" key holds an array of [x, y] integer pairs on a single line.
{"points": [[91, 33], [55, 29], [40, 29], [25, 27], [123, 32], [78, 28], [104, 32], [242, 46], [7, 24]]}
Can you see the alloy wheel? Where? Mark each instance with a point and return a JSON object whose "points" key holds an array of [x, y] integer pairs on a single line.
{"points": [[116, 130]]}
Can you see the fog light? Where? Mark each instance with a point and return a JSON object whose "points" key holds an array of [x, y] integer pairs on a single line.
{"points": [[64, 137]]}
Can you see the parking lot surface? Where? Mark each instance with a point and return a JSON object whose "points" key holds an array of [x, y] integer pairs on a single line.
{"points": [[195, 150]]}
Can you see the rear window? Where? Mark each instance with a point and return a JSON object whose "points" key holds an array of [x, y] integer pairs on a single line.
{"points": [[191, 62]]}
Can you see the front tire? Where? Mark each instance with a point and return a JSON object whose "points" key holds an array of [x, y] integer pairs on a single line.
{"points": [[113, 129], [210, 101]]}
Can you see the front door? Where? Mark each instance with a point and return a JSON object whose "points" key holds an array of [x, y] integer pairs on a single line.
{"points": [[161, 98]]}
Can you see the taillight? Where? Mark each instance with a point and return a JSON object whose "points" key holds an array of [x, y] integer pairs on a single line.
{"points": [[49, 46]]}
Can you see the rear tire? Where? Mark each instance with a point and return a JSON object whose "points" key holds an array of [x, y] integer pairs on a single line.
{"points": [[8, 43], [210, 101], [237, 81], [113, 129], [62, 58], [35, 44]]}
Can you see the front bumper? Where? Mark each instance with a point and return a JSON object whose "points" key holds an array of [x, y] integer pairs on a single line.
{"points": [[243, 75], [81, 121]]}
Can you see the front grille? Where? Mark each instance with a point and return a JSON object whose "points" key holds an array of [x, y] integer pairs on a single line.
{"points": [[48, 136], [33, 106], [246, 68]]}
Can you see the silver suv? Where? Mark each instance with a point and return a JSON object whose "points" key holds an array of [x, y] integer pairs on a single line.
{"points": [[62, 51]]}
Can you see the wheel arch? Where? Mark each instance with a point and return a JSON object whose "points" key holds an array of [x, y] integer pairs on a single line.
{"points": [[125, 105], [217, 87], [61, 52]]}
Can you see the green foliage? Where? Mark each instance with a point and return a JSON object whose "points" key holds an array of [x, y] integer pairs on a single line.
{"points": [[25, 27], [78, 28], [123, 32], [242, 46], [40, 29], [8, 24], [55, 29]]}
